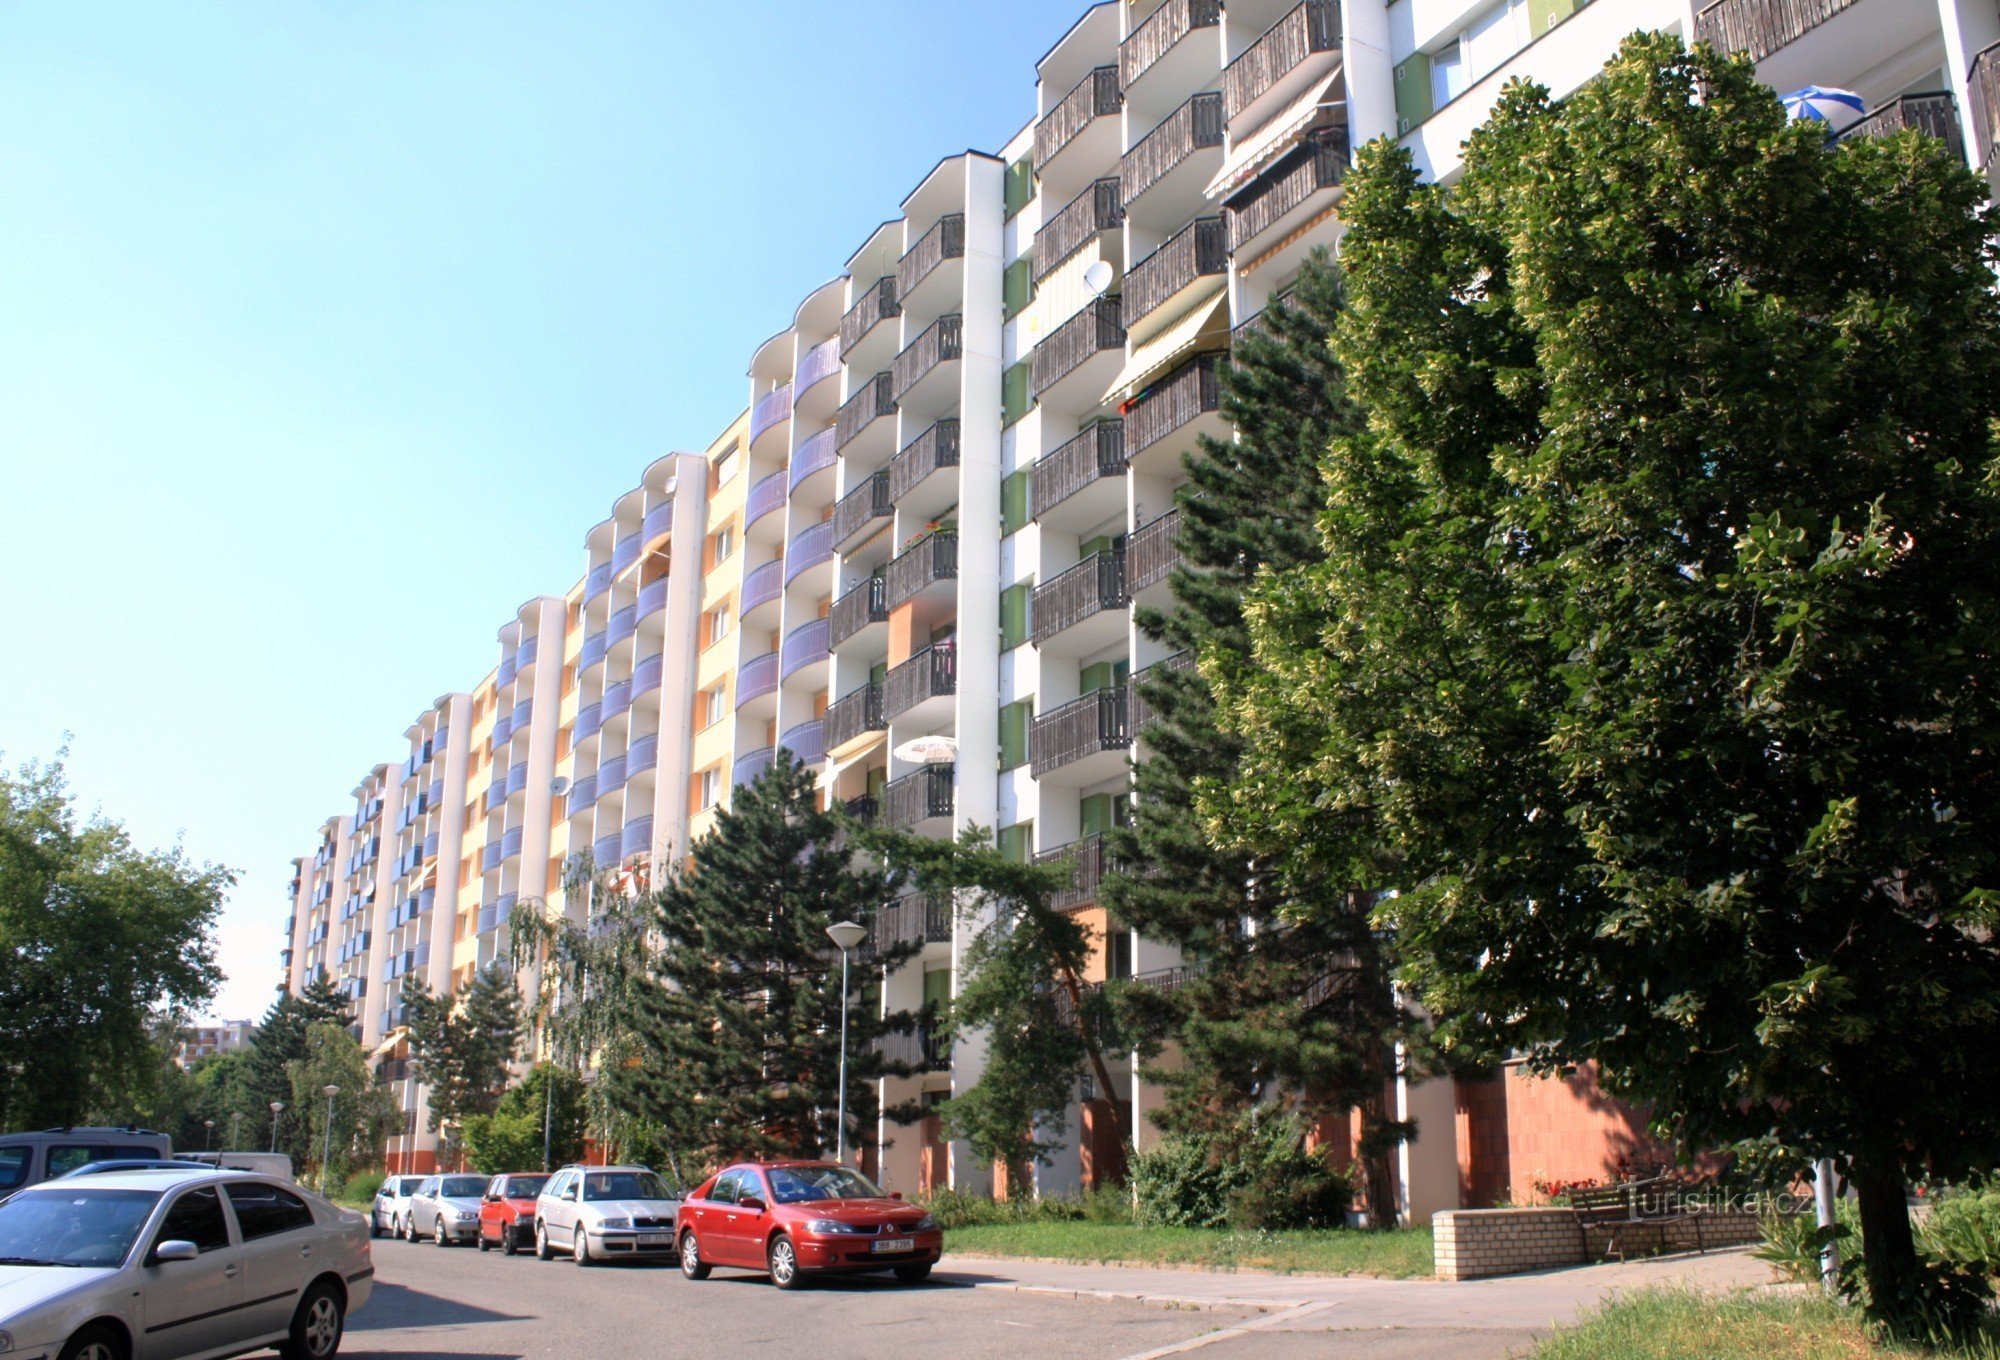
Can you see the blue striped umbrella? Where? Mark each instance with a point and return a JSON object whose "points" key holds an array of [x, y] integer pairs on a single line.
{"points": [[1817, 104]]}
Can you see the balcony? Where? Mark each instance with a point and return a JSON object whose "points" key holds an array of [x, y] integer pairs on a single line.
{"points": [[1085, 740], [1075, 482], [944, 241], [810, 459], [595, 646], [496, 794], [874, 305], [659, 520], [636, 838], [652, 597], [1093, 333], [626, 552], [1265, 65], [919, 800], [806, 742], [623, 624], [750, 766], [932, 561], [821, 362], [923, 1049], [853, 716], [761, 587], [611, 776], [941, 343], [1315, 166], [1096, 96], [617, 699], [1143, 715], [930, 674], [1934, 115], [863, 415], [648, 673], [1088, 601], [804, 646], [1761, 27], [1170, 152], [863, 809], [1098, 209], [1150, 46], [767, 497], [933, 451], [490, 857], [857, 610], [1175, 405], [509, 667], [1983, 107], [1168, 276], [1152, 553], [510, 843], [771, 410], [1090, 860], [862, 511], [644, 756], [583, 794], [597, 582], [604, 850], [503, 731], [913, 918], [517, 778], [812, 546], [757, 678], [589, 719]]}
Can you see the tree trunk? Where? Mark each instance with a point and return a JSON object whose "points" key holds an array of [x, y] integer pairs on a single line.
{"points": [[1099, 1069], [1377, 1143], [1888, 1246]]}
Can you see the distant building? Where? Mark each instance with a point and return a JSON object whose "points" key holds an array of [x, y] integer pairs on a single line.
{"points": [[205, 1041]]}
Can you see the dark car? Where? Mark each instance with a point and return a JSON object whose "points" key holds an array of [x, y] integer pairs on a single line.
{"points": [[797, 1219], [507, 1213]]}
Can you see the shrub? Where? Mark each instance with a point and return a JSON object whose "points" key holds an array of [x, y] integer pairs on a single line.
{"points": [[1261, 1177], [361, 1188], [1177, 1185], [1964, 1228]]}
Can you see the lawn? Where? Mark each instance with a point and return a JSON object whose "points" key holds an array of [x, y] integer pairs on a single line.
{"points": [[1402, 1254], [1675, 1325]]}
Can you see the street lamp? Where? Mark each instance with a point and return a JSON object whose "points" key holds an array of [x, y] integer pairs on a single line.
{"points": [[326, 1141], [277, 1108], [207, 1133], [846, 935]]}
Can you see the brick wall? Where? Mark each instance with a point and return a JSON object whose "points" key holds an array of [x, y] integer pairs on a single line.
{"points": [[1516, 1128], [1472, 1244]]}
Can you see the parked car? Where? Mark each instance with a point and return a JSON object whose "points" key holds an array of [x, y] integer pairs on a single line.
{"points": [[391, 1209], [194, 1262], [507, 1214], [797, 1219], [445, 1209], [130, 1164], [277, 1164], [599, 1213], [26, 1158]]}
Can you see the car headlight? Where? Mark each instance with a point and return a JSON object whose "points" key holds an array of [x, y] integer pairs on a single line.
{"points": [[832, 1227], [466, 1215], [6, 1342], [928, 1223], [616, 1223]]}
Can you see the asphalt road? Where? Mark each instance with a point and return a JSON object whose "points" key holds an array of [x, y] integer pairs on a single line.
{"points": [[459, 1302]]}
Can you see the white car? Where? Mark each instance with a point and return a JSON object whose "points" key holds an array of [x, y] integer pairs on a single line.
{"points": [[445, 1209], [177, 1265], [392, 1205], [600, 1213]]}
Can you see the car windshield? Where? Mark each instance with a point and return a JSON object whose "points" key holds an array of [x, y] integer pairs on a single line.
{"points": [[524, 1187], [804, 1184], [462, 1187], [625, 1185], [73, 1227]]}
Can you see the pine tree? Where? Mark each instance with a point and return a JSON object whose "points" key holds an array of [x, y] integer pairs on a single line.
{"points": [[280, 1041], [739, 1041], [461, 1045], [1292, 1000]]}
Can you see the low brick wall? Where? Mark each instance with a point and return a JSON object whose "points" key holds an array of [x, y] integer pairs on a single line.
{"points": [[1475, 1243]]}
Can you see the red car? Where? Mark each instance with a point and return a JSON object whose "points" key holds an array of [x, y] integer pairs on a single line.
{"points": [[507, 1212], [794, 1219]]}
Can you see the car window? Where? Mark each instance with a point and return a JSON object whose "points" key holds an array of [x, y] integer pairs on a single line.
{"points": [[408, 1185], [463, 1187], [74, 1227], [195, 1217], [265, 1210], [523, 1187], [14, 1167], [807, 1184], [624, 1185], [428, 1186], [69, 1156], [725, 1188]]}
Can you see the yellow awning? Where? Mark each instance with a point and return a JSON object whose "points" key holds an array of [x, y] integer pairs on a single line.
{"points": [[1246, 160], [860, 753], [389, 1042], [1206, 321]]}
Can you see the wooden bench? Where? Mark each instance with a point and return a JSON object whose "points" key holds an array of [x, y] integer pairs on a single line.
{"points": [[1632, 1204]]}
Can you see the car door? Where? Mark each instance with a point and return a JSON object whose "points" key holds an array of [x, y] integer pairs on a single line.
{"points": [[423, 1206], [279, 1236], [192, 1306], [722, 1237], [550, 1206], [748, 1222], [569, 1210]]}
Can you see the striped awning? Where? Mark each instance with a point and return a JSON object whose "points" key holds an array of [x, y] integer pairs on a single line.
{"points": [[1247, 159], [1198, 327]]}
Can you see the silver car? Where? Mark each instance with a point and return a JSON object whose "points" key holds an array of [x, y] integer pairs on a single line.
{"points": [[392, 1205], [177, 1265], [599, 1213], [445, 1209]]}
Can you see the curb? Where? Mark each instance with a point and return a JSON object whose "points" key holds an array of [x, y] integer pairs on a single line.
{"points": [[1137, 1296]]}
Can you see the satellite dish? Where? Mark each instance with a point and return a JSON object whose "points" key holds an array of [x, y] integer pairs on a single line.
{"points": [[1098, 277], [928, 750], [560, 786]]}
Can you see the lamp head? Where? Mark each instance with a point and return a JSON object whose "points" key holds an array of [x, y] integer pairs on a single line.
{"points": [[329, 1090], [846, 935]]}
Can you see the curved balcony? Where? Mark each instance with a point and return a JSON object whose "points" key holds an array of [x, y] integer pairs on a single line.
{"points": [[636, 838], [523, 714], [583, 793], [804, 646], [627, 551], [605, 849], [496, 794], [510, 665], [611, 776], [765, 498], [431, 846], [517, 778], [806, 742], [503, 731], [761, 587], [647, 675], [815, 456], [659, 520], [756, 678], [624, 623], [617, 699], [773, 409], [811, 394], [490, 857], [510, 844], [750, 766], [589, 719], [644, 755], [434, 796], [594, 648], [525, 655], [652, 598], [810, 547], [495, 913], [597, 582]]}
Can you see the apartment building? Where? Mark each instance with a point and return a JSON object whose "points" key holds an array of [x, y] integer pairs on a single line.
{"points": [[914, 561], [208, 1041]]}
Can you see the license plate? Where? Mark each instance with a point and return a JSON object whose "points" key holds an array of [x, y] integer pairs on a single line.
{"points": [[656, 1239], [895, 1244]]}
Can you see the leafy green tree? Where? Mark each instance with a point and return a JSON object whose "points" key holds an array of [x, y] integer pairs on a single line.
{"points": [[558, 1098], [461, 1045], [738, 1049], [506, 1140], [1652, 660], [362, 1114], [1262, 1021], [99, 942], [280, 1041]]}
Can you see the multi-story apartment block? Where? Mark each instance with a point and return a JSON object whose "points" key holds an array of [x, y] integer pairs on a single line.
{"points": [[914, 561], [208, 1041]]}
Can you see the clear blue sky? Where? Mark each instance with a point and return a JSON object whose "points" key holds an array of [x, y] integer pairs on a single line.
{"points": [[327, 329]]}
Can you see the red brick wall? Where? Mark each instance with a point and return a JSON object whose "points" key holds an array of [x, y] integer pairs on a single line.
{"points": [[1480, 1116], [1568, 1129]]}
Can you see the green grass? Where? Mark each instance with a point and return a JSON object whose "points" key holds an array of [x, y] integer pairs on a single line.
{"points": [[1403, 1254], [1679, 1325]]}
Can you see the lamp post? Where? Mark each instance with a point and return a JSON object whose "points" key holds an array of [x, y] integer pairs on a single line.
{"points": [[277, 1108], [207, 1133], [326, 1140], [846, 935]]}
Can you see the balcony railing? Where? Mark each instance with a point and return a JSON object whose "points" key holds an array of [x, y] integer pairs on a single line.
{"points": [[658, 520], [626, 552], [1984, 104], [821, 362], [1153, 551], [931, 451], [597, 582], [1089, 588], [1191, 391], [1098, 209], [1089, 726], [757, 678], [1935, 115], [765, 498], [1083, 337], [863, 809], [862, 509], [934, 558], [944, 241], [931, 674], [1312, 27], [1197, 250], [1194, 126], [583, 793], [804, 646], [1761, 27], [617, 699], [623, 623], [1160, 33], [941, 342], [605, 849], [876, 304], [815, 455], [1097, 453], [762, 586], [771, 410], [1090, 860], [644, 756], [652, 597], [854, 715], [636, 838], [1142, 714], [1096, 96], [1318, 163], [806, 742], [922, 1049], [611, 776], [810, 547], [914, 918], [917, 797], [750, 766], [865, 604], [874, 400]]}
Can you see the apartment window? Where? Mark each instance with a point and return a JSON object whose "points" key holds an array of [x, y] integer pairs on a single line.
{"points": [[1014, 397], [1015, 719], [1015, 491], [723, 544], [1017, 287], [1448, 76], [713, 706], [711, 789], [1017, 842], [717, 625], [727, 464], [569, 679], [1019, 187]]}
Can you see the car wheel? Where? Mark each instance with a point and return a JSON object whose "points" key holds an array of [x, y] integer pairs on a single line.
{"points": [[914, 1274], [510, 1239], [437, 1232], [316, 1326], [579, 1246], [543, 1252], [484, 1245], [410, 1228], [96, 1343], [784, 1263], [374, 1225], [692, 1265]]}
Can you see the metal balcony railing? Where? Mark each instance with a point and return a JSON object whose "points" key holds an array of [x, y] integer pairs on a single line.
{"points": [[871, 402], [1194, 126], [1316, 164], [1197, 250], [1095, 454], [804, 646], [648, 674], [930, 674], [772, 409], [917, 797], [1078, 340], [1761, 27], [809, 547], [854, 715], [865, 604], [765, 498], [922, 1049], [1983, 103], [1935, 115], [1098, 209], [762, 586], [1096, 96], [944, 241], [1141, 712], [861, 509], [757, 678], [626, 551], [1090, 861], [1153, 551], [933, 450], [815, 455], [874, 305], [1089, 726], [941, 342], [806, 742], [1312, 27], [1191, 391], [931, 559], [1089, 588], [1160, 33], [821, 362], [913, 918], [750, 766]]}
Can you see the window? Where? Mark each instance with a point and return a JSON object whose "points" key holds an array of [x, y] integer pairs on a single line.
{"points": [[1014, 399], [265, 1210], [196, 1217], [1448, 76], [1017, 842], [727, 464], [1015, 719], [1019, 188], [726, 1187], [1017, 287], [713, 706], [711, 789], [718, 625], [1118, 951], [720, 546], [1016, 614], [1015, 492]]}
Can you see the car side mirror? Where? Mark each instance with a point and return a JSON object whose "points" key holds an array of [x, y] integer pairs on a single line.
{"points": [[175, 1250], [752, 1203]]}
